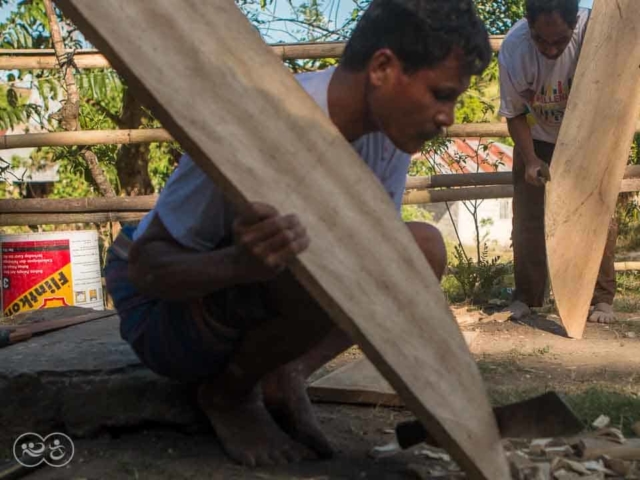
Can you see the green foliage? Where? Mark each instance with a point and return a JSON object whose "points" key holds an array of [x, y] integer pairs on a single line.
{"points": [[452, 289], [479, 103], [415, 213], [500, 15], [622, 406], [478, 279], [26, 26], [634, 155], [628, 283], [161, 163]]}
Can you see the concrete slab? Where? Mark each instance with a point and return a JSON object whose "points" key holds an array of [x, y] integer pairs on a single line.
{"points": [[82, 380]]}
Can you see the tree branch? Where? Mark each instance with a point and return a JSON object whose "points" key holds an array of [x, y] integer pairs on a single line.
{"points": [[71, 108]]}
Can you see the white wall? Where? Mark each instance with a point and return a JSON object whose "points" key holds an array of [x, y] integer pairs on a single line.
{"points": [[500, 213]]}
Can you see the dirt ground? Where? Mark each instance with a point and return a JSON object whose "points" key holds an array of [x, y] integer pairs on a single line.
{"points": [[600, 374]]}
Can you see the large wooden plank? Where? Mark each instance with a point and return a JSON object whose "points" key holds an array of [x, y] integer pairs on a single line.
{"points": [[213, 83], [591, 154]]}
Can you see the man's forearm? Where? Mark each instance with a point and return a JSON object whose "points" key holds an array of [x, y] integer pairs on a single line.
{"points": [[520, 132], [161, 270]]}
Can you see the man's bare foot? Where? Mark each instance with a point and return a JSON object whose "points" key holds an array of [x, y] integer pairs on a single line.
{"points": [[246, 430], [285, 395], [602, 313]]}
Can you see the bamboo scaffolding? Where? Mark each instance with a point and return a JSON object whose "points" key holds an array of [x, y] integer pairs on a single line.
{"points": [[44, 59]]}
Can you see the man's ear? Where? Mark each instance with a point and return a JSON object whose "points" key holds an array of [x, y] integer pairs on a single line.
{"points": [[383, 67]]}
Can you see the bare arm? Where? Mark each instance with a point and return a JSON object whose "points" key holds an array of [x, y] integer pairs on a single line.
{"points": [[265, 243], [521, 134]]}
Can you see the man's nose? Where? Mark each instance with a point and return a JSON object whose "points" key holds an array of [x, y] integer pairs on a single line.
{"points": [[552, 52], [445, 118]]}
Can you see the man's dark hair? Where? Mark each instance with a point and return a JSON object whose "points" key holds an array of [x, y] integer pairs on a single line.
{"points": [[567, 9], [421, 33]]}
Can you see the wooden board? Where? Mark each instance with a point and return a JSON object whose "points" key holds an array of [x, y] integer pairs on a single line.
{"points": [[591, 155], [360, 383], [214, 84]]}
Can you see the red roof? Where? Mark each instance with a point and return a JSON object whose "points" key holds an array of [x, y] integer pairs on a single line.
{"points": [[469, 155]]}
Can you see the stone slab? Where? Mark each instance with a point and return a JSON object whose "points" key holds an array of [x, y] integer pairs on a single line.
{"points": [[85, 379]]}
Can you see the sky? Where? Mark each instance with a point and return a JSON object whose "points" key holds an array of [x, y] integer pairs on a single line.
{"points": [[4, 12], [337, 11]]}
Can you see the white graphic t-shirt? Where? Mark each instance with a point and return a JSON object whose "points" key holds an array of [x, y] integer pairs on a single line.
{"points": [[532, 84]]}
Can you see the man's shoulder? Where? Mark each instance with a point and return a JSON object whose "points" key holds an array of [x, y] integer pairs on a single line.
{"points": [[517, 39], [316, 84], [314, 79], [583, 19]]}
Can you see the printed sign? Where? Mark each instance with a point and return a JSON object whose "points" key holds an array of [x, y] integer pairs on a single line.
{"points": [[47, 270], [35, 274]]}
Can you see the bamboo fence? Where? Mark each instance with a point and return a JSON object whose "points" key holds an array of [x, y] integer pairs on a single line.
{"points": [[420, 191]]}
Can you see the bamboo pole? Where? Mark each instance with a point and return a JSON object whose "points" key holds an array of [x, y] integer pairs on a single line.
{"points": [[142, 203], [450, 180], [122, 137], [418, 197], [484, 130], [627, 266], [85, 137], [44, 59], [21, 219]]}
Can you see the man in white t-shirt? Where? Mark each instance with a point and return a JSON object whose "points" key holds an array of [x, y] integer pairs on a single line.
{"points": [[538, 60], [203, 291]]}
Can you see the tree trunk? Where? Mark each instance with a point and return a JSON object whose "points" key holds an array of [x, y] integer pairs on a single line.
{"points": [[71, 109], [132, 163]]}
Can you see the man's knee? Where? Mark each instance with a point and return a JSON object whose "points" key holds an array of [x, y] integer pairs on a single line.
{"points": [[430, 241]]}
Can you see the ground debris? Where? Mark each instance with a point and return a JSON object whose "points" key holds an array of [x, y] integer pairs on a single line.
{"points": [[611, 433], [623, 468], [465, 317], [523, 468], [498, 317], [601, 422], [383, 451], [430, 472], [604, 454], [433, 454]]}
